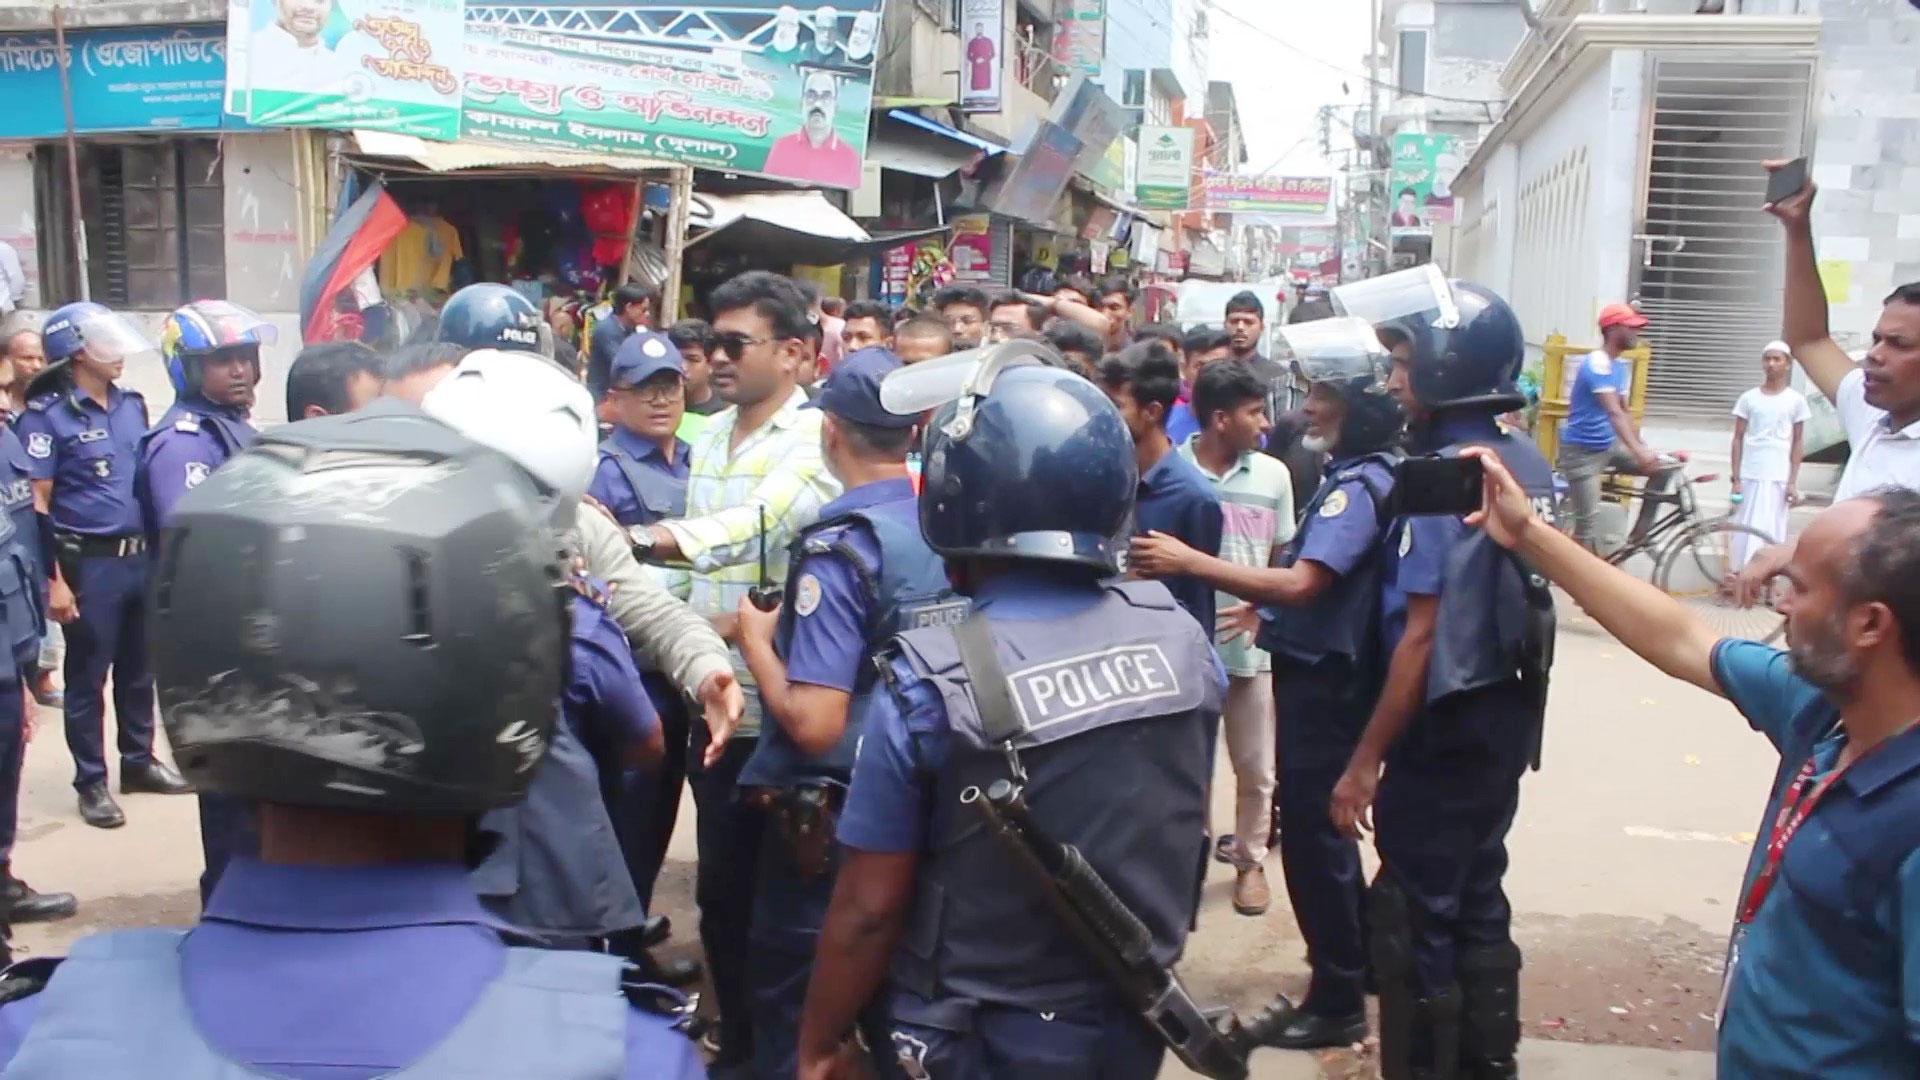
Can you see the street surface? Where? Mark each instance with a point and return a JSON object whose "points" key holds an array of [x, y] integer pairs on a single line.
{"points": [[1626, 859]]}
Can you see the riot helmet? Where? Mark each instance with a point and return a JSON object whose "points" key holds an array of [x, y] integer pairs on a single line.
{"points": [[361, 612], [529, 409], [492, 316], [208, 328], [1027, 461], [1346, 356], [105, 336], [1478, 363]]}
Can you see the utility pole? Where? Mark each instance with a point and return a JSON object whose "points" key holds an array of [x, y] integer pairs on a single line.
{"points": [[1373, 121]]}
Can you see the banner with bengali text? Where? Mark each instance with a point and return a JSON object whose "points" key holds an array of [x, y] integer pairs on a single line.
{"points": [[1281, 200]]}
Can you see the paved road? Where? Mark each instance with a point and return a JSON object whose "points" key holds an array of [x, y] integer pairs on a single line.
{"points": [[1626, 857]]}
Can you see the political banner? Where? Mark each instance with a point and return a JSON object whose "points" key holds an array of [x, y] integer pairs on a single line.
{"points": [[981, 46], [384, 65], [142, 78], [1080, 36], [971, 249], [1422, 182], [1280, 200], [1165, 176]]}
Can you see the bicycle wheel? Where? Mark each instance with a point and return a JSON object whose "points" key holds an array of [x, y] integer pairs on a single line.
{"points": [[1695, 568]]}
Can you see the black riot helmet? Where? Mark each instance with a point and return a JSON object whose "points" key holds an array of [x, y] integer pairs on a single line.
{"points": [[1023, 461], [1465, 349], [1345, 355], [487, 315], [361, 612]]}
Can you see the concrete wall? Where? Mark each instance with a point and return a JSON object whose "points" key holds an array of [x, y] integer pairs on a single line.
{"points": [[1866, 155], [17, 224]]}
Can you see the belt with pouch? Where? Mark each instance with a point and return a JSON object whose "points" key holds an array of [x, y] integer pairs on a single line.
{"points": [[115, 547], [806, 817]]}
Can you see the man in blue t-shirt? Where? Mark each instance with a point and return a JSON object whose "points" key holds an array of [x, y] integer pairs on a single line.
{"points": [[1599, 434], [1823, 969]]}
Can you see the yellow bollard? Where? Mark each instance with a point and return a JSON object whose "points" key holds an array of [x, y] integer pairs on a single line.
{"points": [[1556, 385]]}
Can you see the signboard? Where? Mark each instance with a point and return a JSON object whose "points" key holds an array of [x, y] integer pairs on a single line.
{"points": [[981, 45], [1110, 175], [142, 78], [393, 65], [759, 86], [1085, 111], [1282, 200], [1422, 182], [1165, 180], [1080, 36], [971, 249], [1035, 182]]}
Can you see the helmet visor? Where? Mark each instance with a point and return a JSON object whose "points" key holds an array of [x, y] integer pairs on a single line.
{"points": [[1419, 292], [111, 338], [930, 384], [1334, 350], [228, 324]]}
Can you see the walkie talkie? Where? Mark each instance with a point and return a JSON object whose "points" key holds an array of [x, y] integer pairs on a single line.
{"points": [[764, 595]]}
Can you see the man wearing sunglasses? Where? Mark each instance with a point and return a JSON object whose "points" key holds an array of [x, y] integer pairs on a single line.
{"points": [[758, 465]]}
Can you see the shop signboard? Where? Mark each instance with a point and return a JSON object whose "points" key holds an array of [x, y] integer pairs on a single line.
{"points": [[895, 267], [982, 43], [141, 78], [1422, 182], [1279, 200], [1165, 180], [390, 65], [1080, 36], [776, 87], [971, 249]]}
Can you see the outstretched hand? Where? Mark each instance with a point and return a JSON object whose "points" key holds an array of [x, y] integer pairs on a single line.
{"points": [[1505, 511]]}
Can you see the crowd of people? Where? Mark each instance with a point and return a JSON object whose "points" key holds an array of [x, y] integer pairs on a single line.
{"points": [[943, 655]]}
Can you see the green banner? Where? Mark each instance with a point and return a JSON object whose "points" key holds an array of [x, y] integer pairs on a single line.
{"points": [[1164, 179], [389, 65], [1421, 191]]}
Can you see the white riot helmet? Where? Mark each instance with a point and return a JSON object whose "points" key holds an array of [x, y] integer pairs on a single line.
{"points": [[529, 409]]}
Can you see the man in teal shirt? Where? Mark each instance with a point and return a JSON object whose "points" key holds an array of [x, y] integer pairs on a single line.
{"points": [[1823, 968]]}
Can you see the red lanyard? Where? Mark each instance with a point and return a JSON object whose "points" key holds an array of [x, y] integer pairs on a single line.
{"points": [[1795, 807]]}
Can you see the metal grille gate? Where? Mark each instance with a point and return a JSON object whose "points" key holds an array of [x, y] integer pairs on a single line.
{"points": [[1708, 262]]}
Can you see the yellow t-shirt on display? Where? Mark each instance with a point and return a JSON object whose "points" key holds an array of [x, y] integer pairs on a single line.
{"points": [[421, 258]]}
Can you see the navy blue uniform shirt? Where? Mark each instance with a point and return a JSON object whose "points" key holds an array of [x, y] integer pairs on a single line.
{"points": [[611, 489], [180, 453], [92, 454], [831, 615]]}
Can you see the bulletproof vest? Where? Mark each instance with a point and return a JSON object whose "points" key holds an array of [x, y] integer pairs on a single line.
{"points": [[1489, 599], [116, 1009], [22, 611], [557, 869], [1118, 704], [229, 432], [661, 495], [1342, 624], [907, 590], [16, 497]]}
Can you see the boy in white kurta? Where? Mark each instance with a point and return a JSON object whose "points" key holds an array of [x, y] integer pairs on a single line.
{"points": [[1769, 421]]}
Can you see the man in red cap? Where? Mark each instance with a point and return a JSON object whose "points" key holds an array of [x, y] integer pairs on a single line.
{"points": [[1599, 432]]}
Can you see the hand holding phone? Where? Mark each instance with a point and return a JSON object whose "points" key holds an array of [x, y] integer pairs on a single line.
{"points": [[1435, 485], [1785, 181]]}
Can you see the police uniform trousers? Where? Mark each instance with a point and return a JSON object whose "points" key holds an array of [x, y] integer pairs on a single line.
{"points": [[728, 835], [645, 804], [111, 633], [955, 1041], [1319, 711], [1441, 816], [13, 752]]}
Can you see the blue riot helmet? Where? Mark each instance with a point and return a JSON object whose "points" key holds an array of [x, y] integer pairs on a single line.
{"points": [[490, 316], [104, 335], [1476, 364], [1415, 305], [1345, 355], [208, 328], [1028, 461]]}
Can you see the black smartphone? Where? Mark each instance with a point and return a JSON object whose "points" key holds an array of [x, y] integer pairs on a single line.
{"points": [[1437, 485], [1786, 181]]}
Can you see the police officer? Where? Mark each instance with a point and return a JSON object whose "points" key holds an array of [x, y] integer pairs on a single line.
{"points": [[1469, 630], [212, 351], [1319, 621], [1115, 693], [82, 434], [416, 649], [492, 316], [862, 573]]}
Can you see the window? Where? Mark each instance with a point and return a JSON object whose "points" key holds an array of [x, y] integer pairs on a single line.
{"points": [[155, 217], [1134, 93], [1410, 74]]}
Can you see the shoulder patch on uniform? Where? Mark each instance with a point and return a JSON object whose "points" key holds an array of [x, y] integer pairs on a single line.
{"points": [[39, 444], [40, 403], [188, 422], [1334, 505], [806, 595], [197, 471]]}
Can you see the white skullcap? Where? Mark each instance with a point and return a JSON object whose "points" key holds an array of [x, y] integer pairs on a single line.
{"points": [[1780, 347]]}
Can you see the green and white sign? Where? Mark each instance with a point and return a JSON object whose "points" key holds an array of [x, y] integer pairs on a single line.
{"points": [[1421, 192], [1164, 180], [386, 65]]}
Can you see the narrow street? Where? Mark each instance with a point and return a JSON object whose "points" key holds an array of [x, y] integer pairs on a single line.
{"points": [[1626, 858]]}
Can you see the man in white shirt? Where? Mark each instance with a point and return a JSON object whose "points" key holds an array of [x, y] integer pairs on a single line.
{"points": [[1878, 401]]}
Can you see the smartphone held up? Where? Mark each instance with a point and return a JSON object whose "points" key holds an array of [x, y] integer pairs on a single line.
{"points": [[1435, 484]]}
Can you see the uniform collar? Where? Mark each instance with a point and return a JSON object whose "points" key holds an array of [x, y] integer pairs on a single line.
{"points": [[1335, 465], [197, 403], [273, 896], [1030, 583], [643, 448], [1890, 761], [1448, 428], [80, 401], [873, 494]]}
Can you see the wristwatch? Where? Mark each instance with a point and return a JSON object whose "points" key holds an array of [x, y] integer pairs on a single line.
{"points": [[642, 540]]}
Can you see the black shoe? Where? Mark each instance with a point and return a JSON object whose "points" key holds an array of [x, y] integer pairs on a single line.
{"points": [[1286, 1026], [669, 972], [26, 904], [1223, 849], [153, 778], [98, 809], [655, 930]]}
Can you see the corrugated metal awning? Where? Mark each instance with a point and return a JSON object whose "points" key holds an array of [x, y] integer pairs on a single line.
{"points": [[469, 155]]}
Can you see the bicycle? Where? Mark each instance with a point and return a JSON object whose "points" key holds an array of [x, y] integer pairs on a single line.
{"points": [[1694, 556]]}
